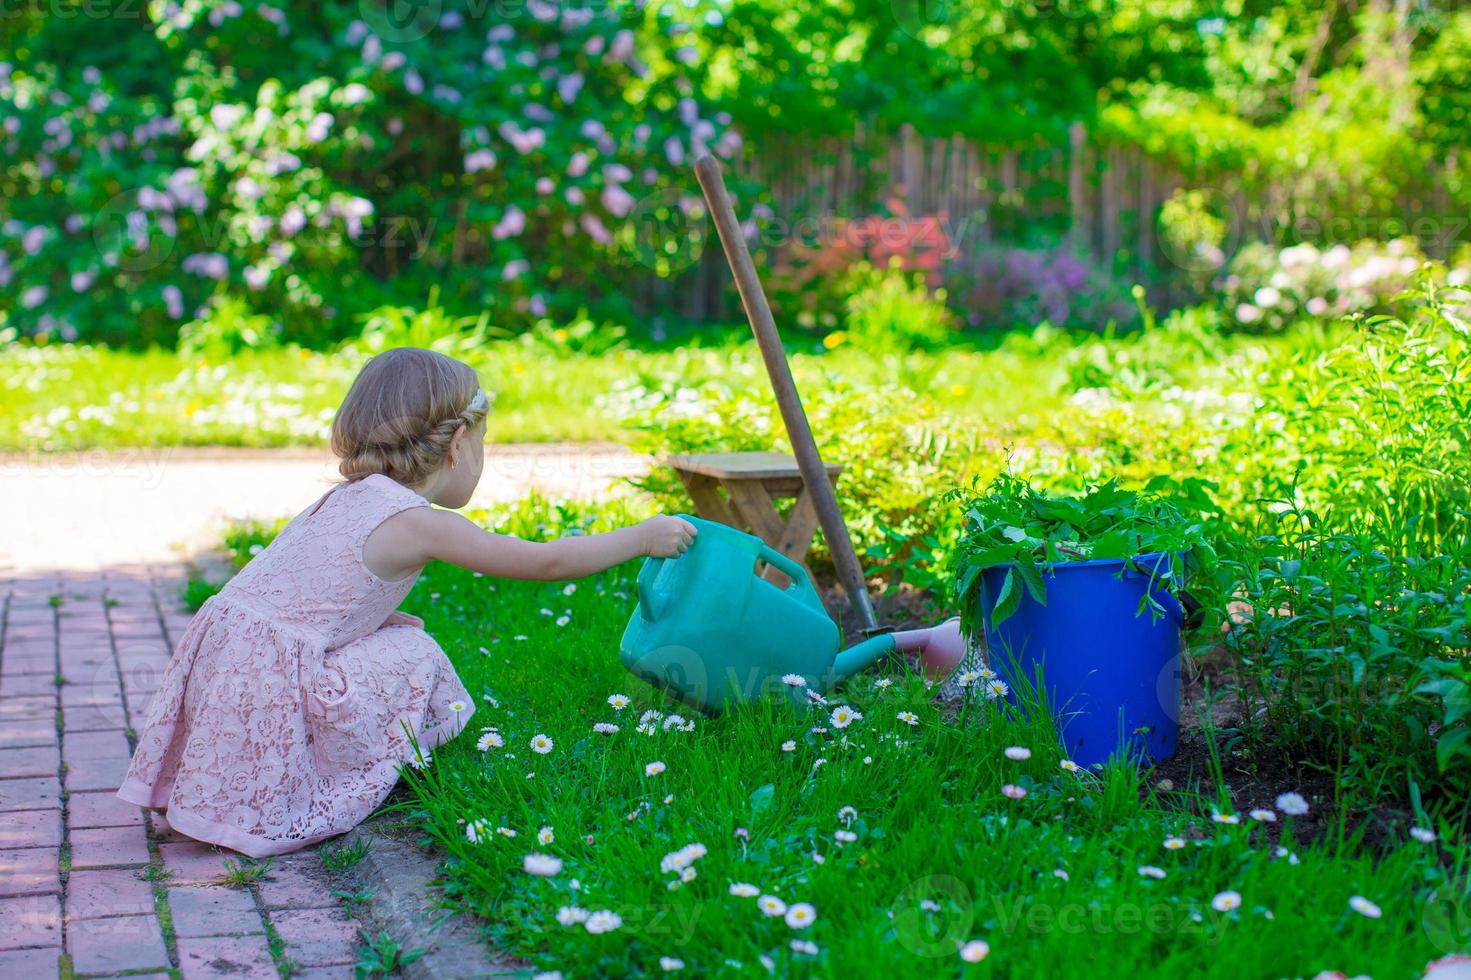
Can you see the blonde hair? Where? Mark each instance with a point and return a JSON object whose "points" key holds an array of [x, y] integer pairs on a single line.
{"points": [[402, 411]]}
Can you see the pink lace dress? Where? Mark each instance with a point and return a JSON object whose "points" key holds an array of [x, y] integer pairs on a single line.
{"points": [[298, 691]]}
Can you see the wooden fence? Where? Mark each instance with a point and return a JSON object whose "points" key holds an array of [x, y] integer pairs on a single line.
{"points": [[1102, 197]]}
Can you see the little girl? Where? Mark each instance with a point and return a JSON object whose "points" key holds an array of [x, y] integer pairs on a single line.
{"points": [[298, 691]]}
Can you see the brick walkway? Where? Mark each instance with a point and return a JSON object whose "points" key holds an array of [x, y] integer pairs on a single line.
{"points": [[90, 886]]}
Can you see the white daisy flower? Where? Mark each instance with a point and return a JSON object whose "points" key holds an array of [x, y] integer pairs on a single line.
{"points": [[670, 965], [1422, 835], [908, 717], [1068, 765], [477, 831], [1012, 791], [1263, 816], [844, 836], [646, 728], [543, 865], [1364, 907], [847, 815], [968, 678], [602, 921], [1283, 852], [618, 701], [1226, 901], [490, 740], [801, 915], [1150, 871], [818, 764], [571, 915], [987, 673], [996, 688], [458, 706], [650, 716], [544, 836], [843, 716], [1174, 843], [569, 588], [505, 831], [605, 728], [771, 906], [654, 768], [814, 698], [794, 680], [1227, 818], [804, 947], [563, 620], [1018, 753], [1292, 804], [883, 683], [789, 746], [741, 889], [688, 874], [541, 745], [975, 951], [1060, 874]]}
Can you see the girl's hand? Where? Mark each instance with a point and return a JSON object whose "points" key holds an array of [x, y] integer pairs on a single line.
{"points": [[665, 536]]}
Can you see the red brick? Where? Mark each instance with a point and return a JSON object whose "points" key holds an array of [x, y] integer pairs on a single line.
{"points": [[12, 709], [213, 910], [30, 762], [205, 959], [93, 718], [288, 888], [30, 733], [192, 862], [101, 809], [95, 774], [27, 685], [129, 942], [317, 937], [96, 894], [99, 847], [30, 793], [34, 920], [30, 828], [96, 745], [30, 871], [25, 963]]}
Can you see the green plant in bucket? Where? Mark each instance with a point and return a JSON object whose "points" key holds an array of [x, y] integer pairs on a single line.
{"points": [[1012, 523]]}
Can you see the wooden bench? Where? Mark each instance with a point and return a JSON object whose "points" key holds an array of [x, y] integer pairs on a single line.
{"points": [[740, 489]]}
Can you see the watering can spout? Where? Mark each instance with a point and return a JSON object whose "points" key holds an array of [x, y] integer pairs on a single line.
{"points": [[862, 656]]}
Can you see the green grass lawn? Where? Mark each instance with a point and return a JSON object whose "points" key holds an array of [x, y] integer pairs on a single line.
{"points": [[938, 857], [65, 397]]}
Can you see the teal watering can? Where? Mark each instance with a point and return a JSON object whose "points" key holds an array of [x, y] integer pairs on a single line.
{"points": [[712, 633]]}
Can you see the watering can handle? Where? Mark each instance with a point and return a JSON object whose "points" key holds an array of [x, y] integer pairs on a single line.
{"points": [[651, 601], [801, 583]]}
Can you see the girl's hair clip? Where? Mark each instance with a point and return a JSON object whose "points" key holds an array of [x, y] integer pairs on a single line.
{"points": [[479, 403]]}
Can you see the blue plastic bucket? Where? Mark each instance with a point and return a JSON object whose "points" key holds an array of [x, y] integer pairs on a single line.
{"points": [[1111, 670]]}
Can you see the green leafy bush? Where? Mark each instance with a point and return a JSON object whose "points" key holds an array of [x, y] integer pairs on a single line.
{"points": [[1014, 525], [322, 160], [1349, 655], [889, 309]]}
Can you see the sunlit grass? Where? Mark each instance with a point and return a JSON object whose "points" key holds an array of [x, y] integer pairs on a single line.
{"points": [[940, 856]]}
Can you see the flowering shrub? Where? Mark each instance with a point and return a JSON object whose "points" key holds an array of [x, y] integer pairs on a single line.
{"points": [[1016, 286], [1266, 289], [326, 159]]}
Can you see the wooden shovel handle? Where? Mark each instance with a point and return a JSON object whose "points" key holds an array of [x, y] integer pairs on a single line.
{"points": [[804, 447]]}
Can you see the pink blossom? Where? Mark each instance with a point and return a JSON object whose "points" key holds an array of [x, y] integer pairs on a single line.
{"points": [[617, 200], [512, 224], [577, 166], [482, 159], [595, 229], [1012, 791]]}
